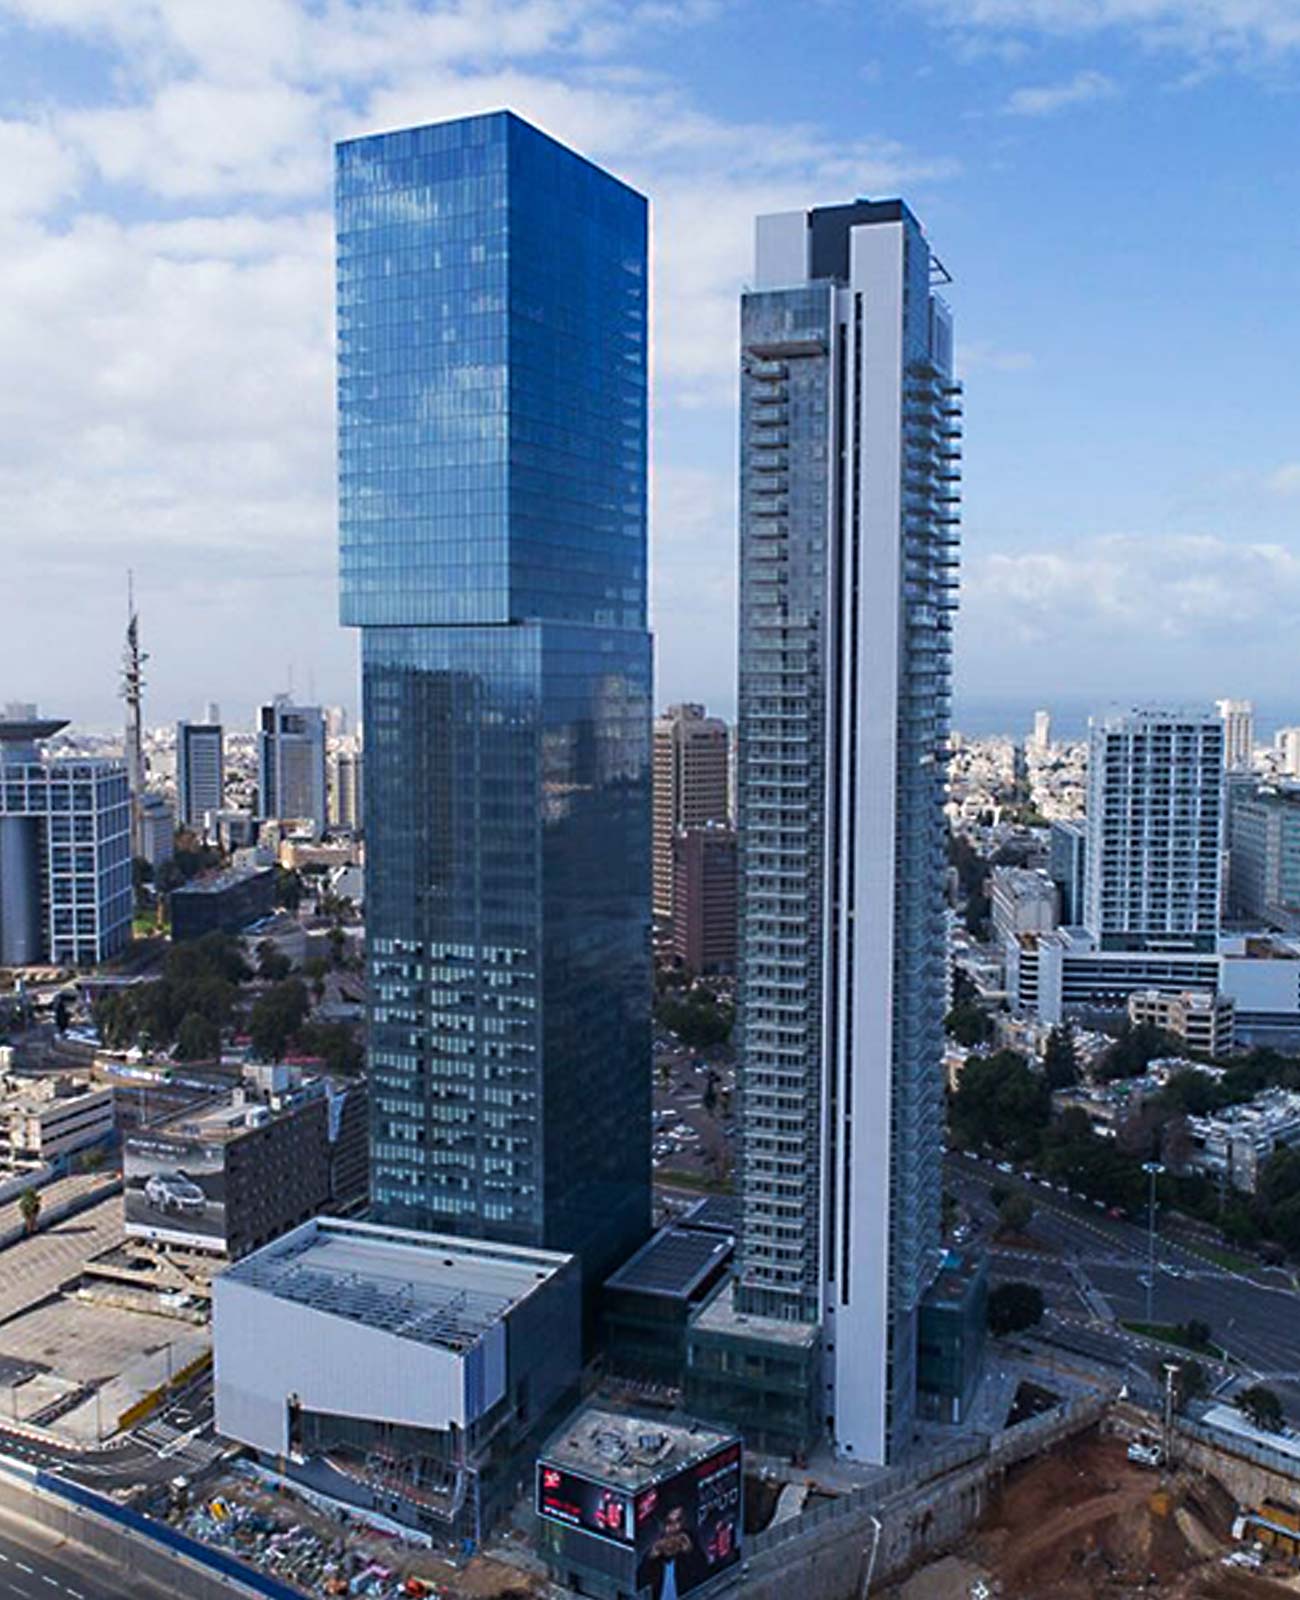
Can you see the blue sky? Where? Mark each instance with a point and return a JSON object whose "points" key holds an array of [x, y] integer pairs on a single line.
{"points": [[1112, 183]]}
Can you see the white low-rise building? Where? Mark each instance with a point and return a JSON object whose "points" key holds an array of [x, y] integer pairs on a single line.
{"points": [[42, 1119], [1234, 1144], [409, 1369]]}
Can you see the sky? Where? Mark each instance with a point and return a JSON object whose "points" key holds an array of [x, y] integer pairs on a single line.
{"points": [[1112, 184]]}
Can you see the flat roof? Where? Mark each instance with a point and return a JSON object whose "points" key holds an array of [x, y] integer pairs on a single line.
{"points": [[720, 1316], [430, 1288], [629, 1451], [215, 882], [674, 1263]]}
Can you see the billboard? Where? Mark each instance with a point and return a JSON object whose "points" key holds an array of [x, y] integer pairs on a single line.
{"points": [[688, 1529], [582, 1503], [682, 1533], [175, 1190]]}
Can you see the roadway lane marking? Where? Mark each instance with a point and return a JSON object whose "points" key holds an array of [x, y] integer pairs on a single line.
{"points": [[53, 1582], [23, 1567]]}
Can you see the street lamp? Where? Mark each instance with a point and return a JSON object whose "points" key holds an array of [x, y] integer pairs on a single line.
{"points": [[1172, 1368], [1153, 1169]]}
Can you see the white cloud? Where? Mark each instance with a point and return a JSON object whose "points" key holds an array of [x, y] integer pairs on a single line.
{"points": [[1238, 28], [1137, 587], [1286, 480], [39, 170], [979, 355], [1043, 100]]}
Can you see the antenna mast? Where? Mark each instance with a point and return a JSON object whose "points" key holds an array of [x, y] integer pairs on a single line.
{"points": [[133, 660]]}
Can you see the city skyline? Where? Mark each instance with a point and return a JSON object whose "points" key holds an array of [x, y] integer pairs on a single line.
{"points": [[142, 233]]}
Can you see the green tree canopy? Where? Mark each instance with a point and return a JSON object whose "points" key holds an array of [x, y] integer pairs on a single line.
{"points": [[276, 1018], [1261, 1406], [1013, 1307], [1000, 1105], [1061, 1059]]}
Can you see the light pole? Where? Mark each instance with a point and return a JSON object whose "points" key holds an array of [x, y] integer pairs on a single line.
{"points": [[1153, 1169], [1171, 1367]]}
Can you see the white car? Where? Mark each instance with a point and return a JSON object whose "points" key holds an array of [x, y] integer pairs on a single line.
{"points": [[173, 1191]]}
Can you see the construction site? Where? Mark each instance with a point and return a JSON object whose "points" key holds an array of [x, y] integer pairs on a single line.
{"points": [[1084, 1520]]}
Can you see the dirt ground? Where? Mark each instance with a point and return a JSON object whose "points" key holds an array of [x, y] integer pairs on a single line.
{"points": [[1085, 1522]]}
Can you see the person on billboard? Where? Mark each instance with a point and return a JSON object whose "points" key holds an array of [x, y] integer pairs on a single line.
{"points": [[673, 1563]]}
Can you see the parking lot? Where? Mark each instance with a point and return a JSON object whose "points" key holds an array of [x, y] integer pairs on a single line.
{"points": [[694, 1116]]}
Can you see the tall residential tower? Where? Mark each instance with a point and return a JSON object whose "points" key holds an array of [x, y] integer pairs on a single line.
{"points": [[492, 478], [692, 784], [849, 489]]}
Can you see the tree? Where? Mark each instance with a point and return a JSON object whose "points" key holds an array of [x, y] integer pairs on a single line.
{"points": [[198, 1038], [62, 1013], [698, 1021], [1013, 1307], [29, 1205], [315, 970], [1191, 1382], [969, 1025], [276, 1018], [288, 888], [1015, 1213], [272, 962], [1196, 1333], [1135, 1048], [1000, 1104], [337, 1045], [1262, 1407], [1060, 1058]]}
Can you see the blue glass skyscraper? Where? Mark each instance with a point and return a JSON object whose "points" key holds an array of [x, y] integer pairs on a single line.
{"points": [[492, 482]]}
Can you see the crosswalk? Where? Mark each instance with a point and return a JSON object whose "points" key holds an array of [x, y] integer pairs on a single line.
{"points": [[190, 1452]]}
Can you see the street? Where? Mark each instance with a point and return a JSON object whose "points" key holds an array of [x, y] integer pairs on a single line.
{"points": [[1091, 1270], [36, 1565]]}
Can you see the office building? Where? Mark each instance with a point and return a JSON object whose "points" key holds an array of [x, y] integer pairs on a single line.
{"points": [[1204, 1022], [1022, 900], [222, 902], [1067, 852], [704, 898], [1041, 738], [691, 786], [228, 1177], [1264, 857], [1238, 718], [1153, 862], [953, 1333], [66, 893], [407, 1373], [346, 799], [157, 828], [1286, 743], [639, 1505], [291, 764], [43, 1119], [492, 459], [200, 773], [849, 490]]}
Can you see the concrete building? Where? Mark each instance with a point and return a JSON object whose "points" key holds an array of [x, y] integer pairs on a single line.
{"points": [[229, 1177], [410, 1373], [639, 1505], [1153, 860], [849, 458], [346, 798], [1287, 744], [157, 829], [1067, 853], [1053, 976], [1206, 1023], [704, 898], [1264, 857], [66, 891], [691, 787], [496, 566], [1023, 900], [1238, 717], [42, 1119], [1234, 1144], [222, 902], [200, 773], [1041, 738], [291, 764]]}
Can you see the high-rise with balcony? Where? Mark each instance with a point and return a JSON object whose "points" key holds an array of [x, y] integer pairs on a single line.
{"points": [[492, 321], [1238, 718], [849, 458], [692, 784], [1153, 862]]}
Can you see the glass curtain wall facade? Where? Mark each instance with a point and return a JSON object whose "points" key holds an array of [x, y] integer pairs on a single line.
{"points": [[848, 537], [492, 412]]}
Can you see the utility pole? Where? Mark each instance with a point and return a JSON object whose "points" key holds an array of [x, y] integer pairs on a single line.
{"points": [[1153, 1169], [133, 660], [1171, 1367]]}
